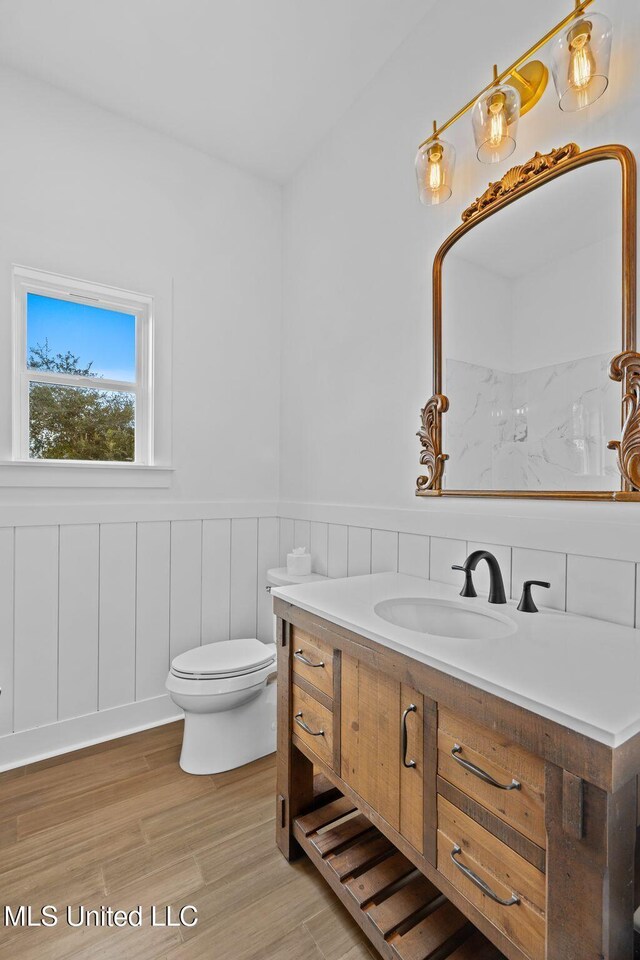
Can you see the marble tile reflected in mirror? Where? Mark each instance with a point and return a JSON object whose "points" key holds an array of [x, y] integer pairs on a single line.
{"points": [[531, 318]]}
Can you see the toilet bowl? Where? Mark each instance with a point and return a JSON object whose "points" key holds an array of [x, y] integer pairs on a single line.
{"points": [[229, 704]]}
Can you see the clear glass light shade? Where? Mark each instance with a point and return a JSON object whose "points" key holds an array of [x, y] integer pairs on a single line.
{"points": [[580, 59], [495, 123], [435, 164]]}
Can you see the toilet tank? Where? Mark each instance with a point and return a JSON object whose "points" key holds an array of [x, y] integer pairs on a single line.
{"points": [[278, 577]]}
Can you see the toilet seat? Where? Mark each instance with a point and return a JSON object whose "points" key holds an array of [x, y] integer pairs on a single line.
{"points": [[224, 660]]}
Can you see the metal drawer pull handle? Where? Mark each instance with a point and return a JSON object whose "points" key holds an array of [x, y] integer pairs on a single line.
{"points": [[307, 729], [298, 654], [482, 774], [479, 882], [410, 709]]}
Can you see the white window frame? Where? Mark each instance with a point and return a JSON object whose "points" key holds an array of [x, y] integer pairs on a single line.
{"points": [[27, 281]]}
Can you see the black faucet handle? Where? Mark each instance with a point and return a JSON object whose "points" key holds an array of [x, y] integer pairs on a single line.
{"points": [[526, 604], [468, 590]]}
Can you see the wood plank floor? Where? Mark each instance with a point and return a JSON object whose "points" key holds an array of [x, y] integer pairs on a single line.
{"points": [[120, 825]]}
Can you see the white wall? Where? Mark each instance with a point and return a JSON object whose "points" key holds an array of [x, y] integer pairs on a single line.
{"points": [[90, 195], [358, 256], [99, 587], [479, 300], [590, 280]]}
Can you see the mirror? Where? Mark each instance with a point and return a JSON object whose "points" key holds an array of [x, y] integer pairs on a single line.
{"points": [[532, 303]]}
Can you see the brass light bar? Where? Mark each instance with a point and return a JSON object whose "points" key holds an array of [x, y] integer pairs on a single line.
{"points": [[580, 7]]}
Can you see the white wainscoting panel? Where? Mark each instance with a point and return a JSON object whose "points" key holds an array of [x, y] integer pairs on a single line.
{"points": [[36, 627], [244, 578], [267, 558], [604, 589], [540, 565], [100, 608], [92, 611], [6, 630], [153, 581], [216, 579], [359, 557], [338, 550], [413, 554], [444, 553], [117, 676], [384, 551], [287, 533], [78, 620], [186, 585], [302, 534], [319, 547]]}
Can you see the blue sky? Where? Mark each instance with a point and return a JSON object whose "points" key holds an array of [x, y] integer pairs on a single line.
{"points": [[106, 337]]}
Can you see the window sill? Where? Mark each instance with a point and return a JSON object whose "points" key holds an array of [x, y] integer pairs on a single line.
{"points": [[57, 473]]}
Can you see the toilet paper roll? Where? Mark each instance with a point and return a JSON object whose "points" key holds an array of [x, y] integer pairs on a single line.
{"points": [[299, 562]]}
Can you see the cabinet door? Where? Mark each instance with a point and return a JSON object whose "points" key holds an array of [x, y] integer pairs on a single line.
{"points": [[412, 777], [372, 708]]}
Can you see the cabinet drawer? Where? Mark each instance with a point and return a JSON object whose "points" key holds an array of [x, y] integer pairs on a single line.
{"points": [[307, 712], [313, 660], [468, 855], [466, 751]]}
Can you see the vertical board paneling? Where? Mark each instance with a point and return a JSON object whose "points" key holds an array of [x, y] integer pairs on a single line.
{"points": [[302, 534], [6, 630], [445, 553], [216, 579], [152, 608], [287, 531], [413, 555], [244, 578], [117, 663], [601, 588], [384, 551], [319, 547], [338, 550], [36, 627], [186, 585], [267, 558], [359, 551], [78, 623]]}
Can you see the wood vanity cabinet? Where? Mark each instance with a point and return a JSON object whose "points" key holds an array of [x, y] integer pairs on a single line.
{"points": [[381, 733], [450, 823]]}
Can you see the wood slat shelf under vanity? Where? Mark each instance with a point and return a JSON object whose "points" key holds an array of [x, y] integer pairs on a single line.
{"points": [[404, 915]]}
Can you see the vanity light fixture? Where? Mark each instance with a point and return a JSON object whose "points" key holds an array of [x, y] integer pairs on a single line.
{"points": [[495, 121], [580, 63], [435, 163]]}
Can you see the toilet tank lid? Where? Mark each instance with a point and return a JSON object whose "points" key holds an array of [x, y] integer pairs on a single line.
{"points": [[279, 577], [224, 659]]}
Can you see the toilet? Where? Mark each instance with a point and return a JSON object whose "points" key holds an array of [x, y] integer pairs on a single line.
{"points": [[229, 696], [228, 693]]}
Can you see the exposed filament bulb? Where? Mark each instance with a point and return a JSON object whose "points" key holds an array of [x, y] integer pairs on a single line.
{"points": [[582, 64], [497, 119], [435, 167]]}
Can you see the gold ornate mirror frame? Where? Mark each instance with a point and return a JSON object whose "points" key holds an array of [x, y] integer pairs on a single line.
{"points": [[624, 368]]}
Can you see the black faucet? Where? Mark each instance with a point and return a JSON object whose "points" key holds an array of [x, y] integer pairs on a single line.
{"points": [[496, 584], [526, 604]]}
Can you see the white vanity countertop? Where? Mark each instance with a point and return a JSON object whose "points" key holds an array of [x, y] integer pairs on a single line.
{"points": [[580, 672]]}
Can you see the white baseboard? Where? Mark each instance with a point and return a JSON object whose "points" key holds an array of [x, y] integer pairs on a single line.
{"points": [[29, 746]]}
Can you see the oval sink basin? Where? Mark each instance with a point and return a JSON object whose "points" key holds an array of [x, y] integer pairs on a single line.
{"points": [[443, 618]]}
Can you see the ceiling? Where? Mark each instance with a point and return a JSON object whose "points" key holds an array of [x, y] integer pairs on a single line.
{"points": [[256, 82]]}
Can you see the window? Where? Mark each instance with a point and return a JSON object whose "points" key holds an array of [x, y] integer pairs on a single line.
{"points": [[82, 372]]}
